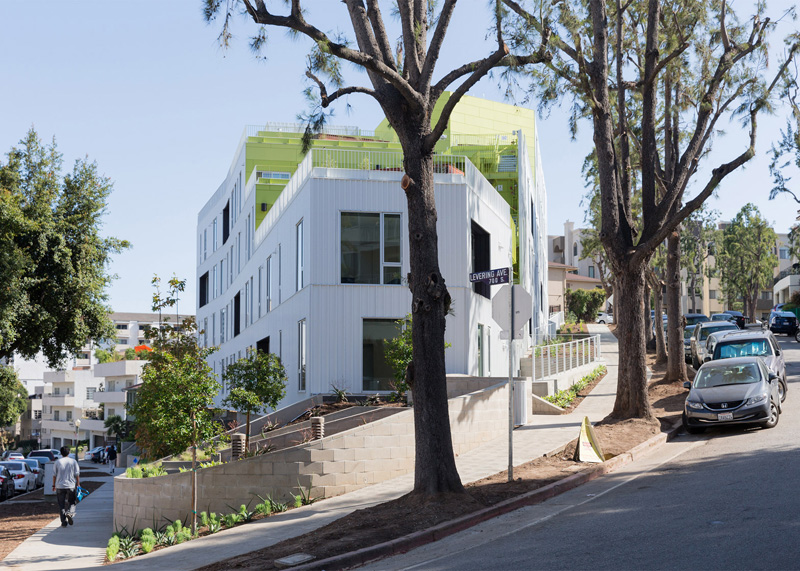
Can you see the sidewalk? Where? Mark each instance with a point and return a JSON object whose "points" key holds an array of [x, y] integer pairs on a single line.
{"points": [[83, 546]]}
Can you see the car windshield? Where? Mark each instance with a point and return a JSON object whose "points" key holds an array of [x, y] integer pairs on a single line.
{"points": [[13, 465], [720, 376], [706, 331], [695, 319], [749, 348]]}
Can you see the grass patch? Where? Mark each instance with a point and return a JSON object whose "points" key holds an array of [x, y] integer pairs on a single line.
{"points": [[564, 398]]}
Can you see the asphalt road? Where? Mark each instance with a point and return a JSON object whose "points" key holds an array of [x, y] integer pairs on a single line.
{"points": [[726, 499]]}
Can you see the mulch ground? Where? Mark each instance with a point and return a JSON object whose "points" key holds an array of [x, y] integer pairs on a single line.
{"points": [[26, 515], [410, 513]]}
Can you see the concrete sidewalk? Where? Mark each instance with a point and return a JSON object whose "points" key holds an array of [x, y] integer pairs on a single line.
{"points": [[83, 546]]}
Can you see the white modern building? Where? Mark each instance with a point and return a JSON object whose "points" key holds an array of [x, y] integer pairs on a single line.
{"points": [[306, 256]]}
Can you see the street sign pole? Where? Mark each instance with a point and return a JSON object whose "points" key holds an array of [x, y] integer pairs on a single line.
{"points": [[511, 384]]}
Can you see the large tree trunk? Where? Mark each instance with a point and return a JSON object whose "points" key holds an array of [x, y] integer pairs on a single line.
{"points": [[632, 399], [661, 346], [676, 362], [435, 469]]}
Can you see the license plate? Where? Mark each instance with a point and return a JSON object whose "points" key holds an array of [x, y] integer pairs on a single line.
{"points": [[725, 416]]}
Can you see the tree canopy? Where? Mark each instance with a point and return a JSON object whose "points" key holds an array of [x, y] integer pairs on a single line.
{"points": [[254, 381], [745, 258], [13, 397], [52, 257]]}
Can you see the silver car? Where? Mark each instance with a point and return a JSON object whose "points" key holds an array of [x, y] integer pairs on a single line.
{"points": [[753, 343], [732, 391], [699, 338], [37, 467], [24, 479]]}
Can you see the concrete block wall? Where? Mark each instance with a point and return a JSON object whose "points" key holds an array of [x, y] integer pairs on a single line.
{"points": [[334, 465]]}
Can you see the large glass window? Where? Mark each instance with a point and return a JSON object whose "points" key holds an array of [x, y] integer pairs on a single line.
{"points": [[377, 374], [481, 257], [268, 278], [371, 248], [300, 257], [301, 355]]}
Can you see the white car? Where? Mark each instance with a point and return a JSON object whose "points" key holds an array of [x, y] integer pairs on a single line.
{"points": [[37, 468], [604, 317], [24, 479], [14, 456]]}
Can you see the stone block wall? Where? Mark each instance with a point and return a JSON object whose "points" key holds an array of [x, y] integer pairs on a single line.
{"points": [[334, 465]]}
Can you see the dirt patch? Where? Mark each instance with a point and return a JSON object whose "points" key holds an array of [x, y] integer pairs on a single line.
{"points": [[583, 393], [573, 328], [25, 516], [409, 514]]}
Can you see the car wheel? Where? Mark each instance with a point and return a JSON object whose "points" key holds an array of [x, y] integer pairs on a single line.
{"points": [[695, 363], [689, 428], [774, 416], [797, 336], [782, 389]]}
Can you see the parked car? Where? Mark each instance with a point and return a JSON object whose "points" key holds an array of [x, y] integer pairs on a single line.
{"points": [[604, 317], [738, 317], [9, 455], [6, 484], [37, 467], [24, 479], [733, 391], [95, 454], [50, 453], [753, 343], [695, 318], [724, 316], [783, 322], [699, 337]]}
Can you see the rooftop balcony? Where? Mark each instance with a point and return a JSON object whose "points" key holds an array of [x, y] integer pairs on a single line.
{"points": [[58, 400]]}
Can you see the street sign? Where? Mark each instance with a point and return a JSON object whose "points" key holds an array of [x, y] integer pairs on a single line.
{"points": [[491, 277], [523, 306]]}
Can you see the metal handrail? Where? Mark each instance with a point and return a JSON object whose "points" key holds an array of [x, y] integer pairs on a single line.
{"points": [[562, 357]]}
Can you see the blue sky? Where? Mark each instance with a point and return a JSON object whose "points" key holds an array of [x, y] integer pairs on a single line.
{"points": [[143, 88]]}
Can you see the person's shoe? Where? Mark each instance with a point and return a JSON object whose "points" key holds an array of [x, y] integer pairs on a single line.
{"points": [[69, 520], [64, 524]]}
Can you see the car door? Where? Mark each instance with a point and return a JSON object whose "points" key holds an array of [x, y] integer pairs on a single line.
{"points": [[696, 342], [778, 364]]}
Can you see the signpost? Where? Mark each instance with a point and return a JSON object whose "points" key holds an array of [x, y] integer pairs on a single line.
{"points": [[511, 309]]}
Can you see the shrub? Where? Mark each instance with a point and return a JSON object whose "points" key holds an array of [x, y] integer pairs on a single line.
{"points": [[585, 303], [148, 544], [113, 548], [565, 397]]}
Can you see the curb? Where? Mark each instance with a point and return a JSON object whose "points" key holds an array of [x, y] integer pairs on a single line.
{"points": [[445, 529]]}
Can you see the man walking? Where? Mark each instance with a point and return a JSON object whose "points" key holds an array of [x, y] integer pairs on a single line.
{"points": [[112, 457], [66, 478]]}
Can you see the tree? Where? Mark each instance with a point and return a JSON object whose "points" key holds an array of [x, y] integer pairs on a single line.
{"points": [[746, 259], [585, 303], [658, 77], [405, 89], [52, 257], [697, 244], [116, 426], [13, 399], [256, 380]]}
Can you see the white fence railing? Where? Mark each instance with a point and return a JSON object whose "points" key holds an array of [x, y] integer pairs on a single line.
{"points": [[381, 161], [549, 360]]}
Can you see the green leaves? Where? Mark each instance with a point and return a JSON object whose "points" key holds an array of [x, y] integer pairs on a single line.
{"points": [[52, 257], [255, 381], [13, 396]]}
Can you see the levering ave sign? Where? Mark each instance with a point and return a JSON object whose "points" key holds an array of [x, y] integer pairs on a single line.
{"points": [[491, 277]]}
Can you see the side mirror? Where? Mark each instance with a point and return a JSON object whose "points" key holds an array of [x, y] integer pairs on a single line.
{"points": [[772, 376], [706, 360], [687, 385]]}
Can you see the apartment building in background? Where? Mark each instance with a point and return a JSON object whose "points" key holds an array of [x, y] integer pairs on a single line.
{"points": [[567, 267], [306, 256]]}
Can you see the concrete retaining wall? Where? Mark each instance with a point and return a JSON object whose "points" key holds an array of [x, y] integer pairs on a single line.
{"points": [[337, 464]]}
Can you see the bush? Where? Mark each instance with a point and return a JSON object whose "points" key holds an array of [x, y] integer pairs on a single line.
{"points": [[113, 548], [585, 303], [565, 397]]}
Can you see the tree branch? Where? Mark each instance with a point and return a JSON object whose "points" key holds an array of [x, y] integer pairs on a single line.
{"points": [[375, 18], [553, 39], [436, 45], [328, 99], [411, 62]]}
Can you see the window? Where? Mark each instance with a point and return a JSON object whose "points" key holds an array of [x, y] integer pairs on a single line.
{"points": [[37, 414], [766, 295], [69, 415], [246, 304], [237, 314], [226, 222], [268, 278], [301, 355], [222, 326], [371, 248], [215, 290], [205, 332], [259, 290], [783, 253], [480, 258], [376, 372], [123, 326], [300, 259], [238, 253], [575, 249], [214, 235], [205, 244], [252, 295], [481, 371], [122, 341], [247, 239], [56, 391], [90, 393], [213, 328], [56, 415], [712, 294], [591, 271], [203, 293]]}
